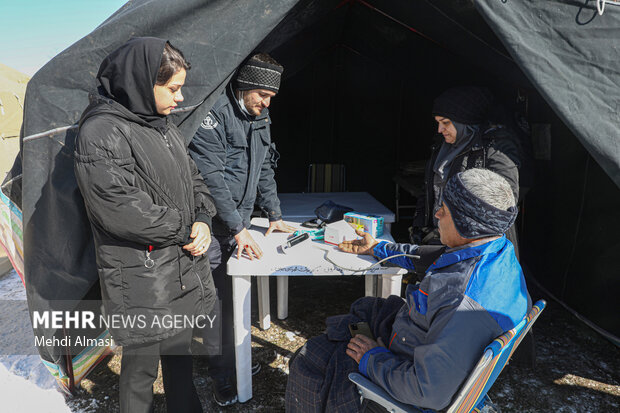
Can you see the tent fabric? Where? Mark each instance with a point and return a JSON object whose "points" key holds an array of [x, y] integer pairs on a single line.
{"points": [[570, 53], [12, 89], [561, 46], [215, 37], [12, 92]]}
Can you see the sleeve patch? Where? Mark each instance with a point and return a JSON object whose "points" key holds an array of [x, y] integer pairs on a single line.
{"points": [[209, 122]]}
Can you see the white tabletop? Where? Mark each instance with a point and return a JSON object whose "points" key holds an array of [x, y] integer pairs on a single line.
{"points": [[305, 259], [301, 206]]}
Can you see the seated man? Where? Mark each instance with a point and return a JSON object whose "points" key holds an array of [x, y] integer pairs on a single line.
{"points": [[428, 344]]}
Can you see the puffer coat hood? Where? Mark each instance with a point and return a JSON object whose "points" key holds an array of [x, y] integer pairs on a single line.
{"points": [[128, 74]]}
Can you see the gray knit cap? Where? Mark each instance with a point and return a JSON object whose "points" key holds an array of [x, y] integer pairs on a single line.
{"points": [[255, 74], [473, 217]]}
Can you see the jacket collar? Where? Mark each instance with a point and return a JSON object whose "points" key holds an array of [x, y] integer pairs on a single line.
{"points": [[452, 256]]}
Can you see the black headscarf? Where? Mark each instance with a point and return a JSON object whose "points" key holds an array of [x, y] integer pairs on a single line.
{"points": [[128, 75], [465, 134], [448, 151], [466, 107]]}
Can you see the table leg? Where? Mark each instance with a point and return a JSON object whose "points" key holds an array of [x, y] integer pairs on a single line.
{"points": [[264, 315], [243, 337], [282, 297], [391, 285], [370, 285]]}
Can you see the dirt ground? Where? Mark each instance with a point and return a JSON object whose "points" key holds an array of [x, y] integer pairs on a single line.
{"points": [[577, 370]]}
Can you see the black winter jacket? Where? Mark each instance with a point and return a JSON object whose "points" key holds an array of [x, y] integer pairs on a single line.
{"points": [[141, 188], [486, 150], [236, 157], [493, 149]]}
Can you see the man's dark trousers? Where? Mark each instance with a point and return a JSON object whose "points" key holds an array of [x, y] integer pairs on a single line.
{"points": [[221, 366]]}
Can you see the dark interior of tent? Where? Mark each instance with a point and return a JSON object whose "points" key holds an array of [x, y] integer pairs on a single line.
{"points": [[358, 90]]}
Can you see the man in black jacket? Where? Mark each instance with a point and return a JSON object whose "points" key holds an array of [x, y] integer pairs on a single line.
{"points": [[235, 155]]}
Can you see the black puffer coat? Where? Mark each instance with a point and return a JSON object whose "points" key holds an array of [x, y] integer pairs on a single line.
{"points": [[141, 188]]}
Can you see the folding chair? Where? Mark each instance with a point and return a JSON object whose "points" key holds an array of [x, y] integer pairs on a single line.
{"points": [[473, 395], [326, 177]]}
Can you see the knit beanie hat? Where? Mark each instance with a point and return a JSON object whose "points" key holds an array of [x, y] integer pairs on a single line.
{"points": [[465, 104], [254, 74], [473, 217]]}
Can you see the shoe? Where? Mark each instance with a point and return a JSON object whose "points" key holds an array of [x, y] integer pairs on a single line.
{"points": [[224, 392]]}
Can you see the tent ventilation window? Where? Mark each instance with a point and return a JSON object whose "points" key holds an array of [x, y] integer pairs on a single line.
{"points": [[600, 5]]}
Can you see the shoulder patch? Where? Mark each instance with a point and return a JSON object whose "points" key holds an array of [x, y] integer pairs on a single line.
{"points": [[209, 122]]}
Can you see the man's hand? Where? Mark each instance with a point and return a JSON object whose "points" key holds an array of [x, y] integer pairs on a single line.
{"points": [[359, 246], [359, 345], [201, 239], [279, 226], [246, 243]]}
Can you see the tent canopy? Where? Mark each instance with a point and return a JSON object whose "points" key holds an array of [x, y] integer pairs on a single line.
{"points": [[12, 91], [359, 80]]}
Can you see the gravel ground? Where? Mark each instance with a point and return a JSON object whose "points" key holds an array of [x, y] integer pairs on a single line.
{"points": [[576, 371]]}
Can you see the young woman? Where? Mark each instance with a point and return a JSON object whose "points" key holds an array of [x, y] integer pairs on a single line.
{"points": [[150, 215]]}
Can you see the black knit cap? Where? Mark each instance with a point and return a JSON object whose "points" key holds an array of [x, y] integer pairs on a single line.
{"points": [[256, 74], [469, 105]]}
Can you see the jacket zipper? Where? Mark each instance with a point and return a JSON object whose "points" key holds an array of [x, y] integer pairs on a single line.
{"points": [[429, 187], [250, 141], [167, 141], [187, 192]]}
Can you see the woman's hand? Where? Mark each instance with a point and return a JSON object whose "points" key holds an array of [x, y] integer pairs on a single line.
{"points": [[201, 235], [359, 246]]}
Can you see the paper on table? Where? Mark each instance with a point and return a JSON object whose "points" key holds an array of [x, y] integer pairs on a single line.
{"points": [[306, 259]]}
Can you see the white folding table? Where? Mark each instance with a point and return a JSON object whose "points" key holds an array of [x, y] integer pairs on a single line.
{"points": [[299, 207], [308, 259]]}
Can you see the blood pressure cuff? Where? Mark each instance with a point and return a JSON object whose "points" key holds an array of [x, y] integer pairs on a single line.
{"points": [[329, 211]]}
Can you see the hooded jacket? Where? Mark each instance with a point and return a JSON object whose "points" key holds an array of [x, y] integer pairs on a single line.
{"points": [[142, 192]]}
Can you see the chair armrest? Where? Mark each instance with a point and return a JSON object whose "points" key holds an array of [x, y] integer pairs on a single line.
{"points": [[371, 391]]}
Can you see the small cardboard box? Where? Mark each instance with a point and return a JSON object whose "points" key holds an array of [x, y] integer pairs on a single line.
{"points": [[373, 224], [339, 231]]}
